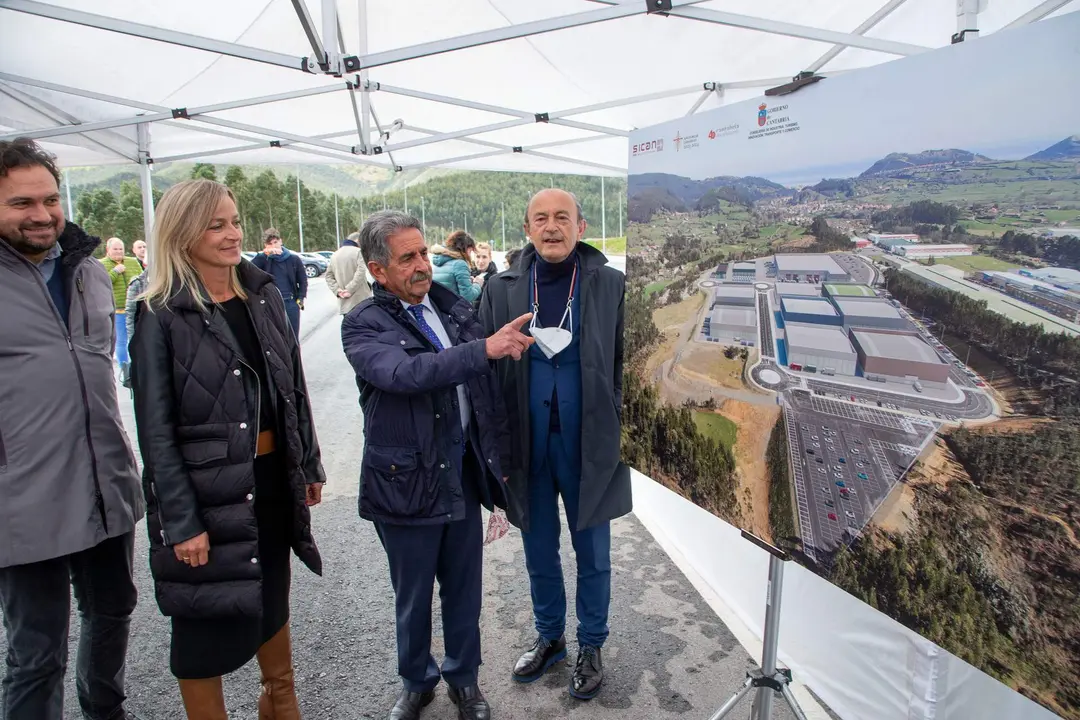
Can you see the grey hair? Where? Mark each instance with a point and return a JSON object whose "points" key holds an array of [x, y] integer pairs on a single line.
{"points": [[377, 229], [577, 204]]}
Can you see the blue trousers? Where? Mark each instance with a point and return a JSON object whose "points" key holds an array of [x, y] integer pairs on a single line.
{"points": [[292, 310], [121, 347], [558, 472], [453, 554]]}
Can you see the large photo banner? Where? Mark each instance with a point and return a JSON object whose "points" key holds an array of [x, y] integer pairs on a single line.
{"points": [[853, 329]]}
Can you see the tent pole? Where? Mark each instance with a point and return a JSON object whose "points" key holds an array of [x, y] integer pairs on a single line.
{"points": [[1037, 13], [871, 21], [365, 97], [329, 33], [967, 18], [299, 210], [145, 161]]}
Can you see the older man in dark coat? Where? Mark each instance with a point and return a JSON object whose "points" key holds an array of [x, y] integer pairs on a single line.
{"points": [[435, 445], [565, 409]]}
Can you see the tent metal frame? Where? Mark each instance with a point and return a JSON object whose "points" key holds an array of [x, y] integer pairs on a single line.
{"points": [[329, 58]]}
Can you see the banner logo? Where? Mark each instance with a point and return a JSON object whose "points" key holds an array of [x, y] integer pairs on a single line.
{"points": [[650, 146], [762, 115], [724, 131], [678, 142]]}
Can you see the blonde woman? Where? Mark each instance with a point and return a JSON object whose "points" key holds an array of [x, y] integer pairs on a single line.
{"points": [[231, 459]]}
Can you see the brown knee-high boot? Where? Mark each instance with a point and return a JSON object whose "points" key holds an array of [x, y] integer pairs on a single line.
{"points": [[278, 698], [203, 699]]}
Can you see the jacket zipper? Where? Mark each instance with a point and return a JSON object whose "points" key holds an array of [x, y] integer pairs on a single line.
{"points": [[82, 302], [98, 498]]}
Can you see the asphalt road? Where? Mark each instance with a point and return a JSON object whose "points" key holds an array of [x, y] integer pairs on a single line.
{"points": [[668, 655]]}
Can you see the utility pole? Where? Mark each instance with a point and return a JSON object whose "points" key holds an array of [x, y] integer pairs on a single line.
{"points": [[362, 211], [423, 215], [466, 222], [299, 209], [337, 223], [603, 217], [502, 214], [406, 198], [71, 210], [620, 215]]}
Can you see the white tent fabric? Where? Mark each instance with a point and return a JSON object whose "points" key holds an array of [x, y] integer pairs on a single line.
{"points": [[58, 66]]}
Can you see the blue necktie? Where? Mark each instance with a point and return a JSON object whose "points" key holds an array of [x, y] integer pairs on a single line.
{"points": [[429, 332]]}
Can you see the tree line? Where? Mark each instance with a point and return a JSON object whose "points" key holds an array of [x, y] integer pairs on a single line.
{"points": [[1043, 359], [478, 201], [1062, 251]]}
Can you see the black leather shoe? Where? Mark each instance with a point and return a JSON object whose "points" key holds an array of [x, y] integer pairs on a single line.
{"points": [[535, 662], [409, 705], [588, 673], [471, 704]]}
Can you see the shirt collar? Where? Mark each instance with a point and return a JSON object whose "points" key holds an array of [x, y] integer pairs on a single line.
{"points": [[426, 302], [54, 253]]}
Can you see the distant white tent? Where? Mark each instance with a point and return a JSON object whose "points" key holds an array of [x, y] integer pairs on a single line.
{"points": [[552, 86]]}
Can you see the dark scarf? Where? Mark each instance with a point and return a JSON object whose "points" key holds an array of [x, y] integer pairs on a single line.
{"points": [[553, 287]]}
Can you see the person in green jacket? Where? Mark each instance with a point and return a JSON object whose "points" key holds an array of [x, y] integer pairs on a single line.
{"points": [[452, 266], [122, 270]]}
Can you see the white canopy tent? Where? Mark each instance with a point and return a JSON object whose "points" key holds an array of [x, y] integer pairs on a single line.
{"points": [[520, 85]]}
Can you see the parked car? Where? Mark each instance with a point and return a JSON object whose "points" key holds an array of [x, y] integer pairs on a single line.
{"points": [[864, 476], [324, 253], [849, 514], [840, 483], [821, 470], [842, 461], [832, 516], [830, 503], [314, 265]]}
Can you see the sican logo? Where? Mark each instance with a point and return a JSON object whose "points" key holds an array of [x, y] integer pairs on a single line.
{"points": [[650, 146], [762, 115]]}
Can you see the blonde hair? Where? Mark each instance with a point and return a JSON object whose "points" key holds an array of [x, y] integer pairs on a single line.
{"points": [[180, 220], [484, 246]]}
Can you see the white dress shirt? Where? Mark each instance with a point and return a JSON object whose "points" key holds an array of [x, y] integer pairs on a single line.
{"points": [[435, 321]]}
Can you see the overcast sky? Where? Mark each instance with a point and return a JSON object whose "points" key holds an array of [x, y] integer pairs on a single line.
{"points": [[1007, 95]]}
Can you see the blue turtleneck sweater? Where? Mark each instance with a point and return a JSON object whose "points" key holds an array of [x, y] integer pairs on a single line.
{"points": [[553, 289]]}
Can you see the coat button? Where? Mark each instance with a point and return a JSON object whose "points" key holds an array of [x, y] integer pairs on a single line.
{"points": [[489, 461], [393, 467], [442, 465], [402, 342], [262, 302], [236, 371], [243, 426], [254, 560], [267, 352], [250, 496], [437, 416]]}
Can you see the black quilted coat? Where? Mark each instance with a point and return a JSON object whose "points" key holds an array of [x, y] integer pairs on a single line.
{"points": [[196, 406]]}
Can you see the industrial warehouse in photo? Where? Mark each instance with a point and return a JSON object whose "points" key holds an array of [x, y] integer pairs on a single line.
{"points": [[809, 268], [732, 315], [811, 311], [898, 356], [817, 348], [870, 313], [739, 295]]}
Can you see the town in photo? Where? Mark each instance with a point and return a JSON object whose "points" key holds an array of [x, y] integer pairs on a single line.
{"points": [[879, 373]]}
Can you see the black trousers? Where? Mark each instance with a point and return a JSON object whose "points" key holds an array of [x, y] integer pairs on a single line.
{"points": [[35, 599], [452, 553]]}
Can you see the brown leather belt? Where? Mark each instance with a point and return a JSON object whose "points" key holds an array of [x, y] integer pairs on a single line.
{"points": [[265, 443]]}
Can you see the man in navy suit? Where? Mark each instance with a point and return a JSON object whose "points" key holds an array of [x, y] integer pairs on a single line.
{"points": [[435, 444]]}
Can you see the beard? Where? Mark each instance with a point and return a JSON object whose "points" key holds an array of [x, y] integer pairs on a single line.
{"points": [[25, 244]]}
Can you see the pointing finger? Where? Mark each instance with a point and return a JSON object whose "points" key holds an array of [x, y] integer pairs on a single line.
{"points": [[520, 322]]}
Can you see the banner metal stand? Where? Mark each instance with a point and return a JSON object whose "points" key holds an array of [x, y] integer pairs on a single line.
{"points": [[768, 679]]}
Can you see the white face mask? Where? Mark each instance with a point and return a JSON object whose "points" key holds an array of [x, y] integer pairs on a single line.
{"points": [[554, 340]]}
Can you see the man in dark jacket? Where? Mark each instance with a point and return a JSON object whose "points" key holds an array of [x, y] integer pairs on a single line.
{"points": [[572, 381], [288, 272], [69, 488], [435, 445]]}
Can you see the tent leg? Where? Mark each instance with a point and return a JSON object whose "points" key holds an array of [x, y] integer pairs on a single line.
{"points": [[146, 181]]}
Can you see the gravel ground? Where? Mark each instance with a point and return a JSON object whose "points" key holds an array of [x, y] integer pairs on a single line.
{"points": [[668, 655]]}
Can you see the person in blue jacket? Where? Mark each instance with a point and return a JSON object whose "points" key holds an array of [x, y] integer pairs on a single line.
{"points": [[453, 266], [435, 443], [288, 272]]}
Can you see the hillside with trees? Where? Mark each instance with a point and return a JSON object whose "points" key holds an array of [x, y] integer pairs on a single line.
{"points": [[447, 202]]}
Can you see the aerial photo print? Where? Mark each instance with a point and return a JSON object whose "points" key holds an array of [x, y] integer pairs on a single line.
{"points": [[853, 329]]}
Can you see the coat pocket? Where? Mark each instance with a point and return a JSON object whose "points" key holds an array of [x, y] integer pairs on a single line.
{"points": [[202, 453], [395, 484]]}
